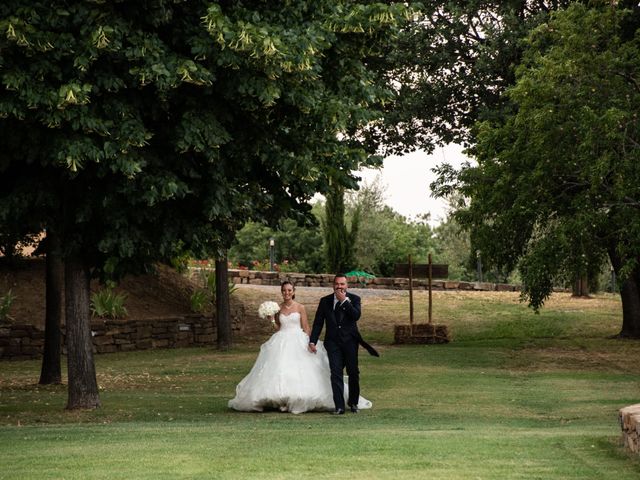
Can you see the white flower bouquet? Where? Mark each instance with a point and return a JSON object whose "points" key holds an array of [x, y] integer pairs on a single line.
{"points": [[268, 309]]}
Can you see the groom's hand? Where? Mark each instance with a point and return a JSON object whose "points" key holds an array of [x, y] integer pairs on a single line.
{"points": [[341, 295], [312, 348]]}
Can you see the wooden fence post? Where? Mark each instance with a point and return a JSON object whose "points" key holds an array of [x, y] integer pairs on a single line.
{"points": [[430, 276], [410, 295]]}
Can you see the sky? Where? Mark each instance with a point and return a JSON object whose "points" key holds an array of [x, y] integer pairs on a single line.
{"points": [[406, 180]]}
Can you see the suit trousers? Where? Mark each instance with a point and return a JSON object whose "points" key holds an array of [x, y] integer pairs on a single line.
{"points": [[343, 354]]}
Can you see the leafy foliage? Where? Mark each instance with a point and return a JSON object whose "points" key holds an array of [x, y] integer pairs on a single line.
{"points": [[140, 130], [106, 303], [6, 301], [383, 238], [452, 65], [294, 244], [453, 247], [199, 301], [203, 299], [556, 184], [338, 240], [386, 237], [152, 127]]}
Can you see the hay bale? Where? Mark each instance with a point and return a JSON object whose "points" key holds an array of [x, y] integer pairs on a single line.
{"points": [[423, 334], [630, 423]]}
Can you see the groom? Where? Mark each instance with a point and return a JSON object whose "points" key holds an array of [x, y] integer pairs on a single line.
{"points": [[340, 312]]}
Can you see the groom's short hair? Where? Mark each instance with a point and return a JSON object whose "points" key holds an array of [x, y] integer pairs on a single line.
{"points": [[339, 275]]}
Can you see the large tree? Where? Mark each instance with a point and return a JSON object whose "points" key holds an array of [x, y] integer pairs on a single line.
{"points": [[556, 187], [147, 127], [338, 240], [451, 67], [385, 237], [297, 246]]}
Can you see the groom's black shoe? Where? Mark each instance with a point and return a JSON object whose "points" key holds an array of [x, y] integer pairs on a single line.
{"points": [[338, 411], [353, 408]]}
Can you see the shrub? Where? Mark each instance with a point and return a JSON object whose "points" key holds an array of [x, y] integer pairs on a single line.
{"points": [[106, 303], [5, 305], [261, 265], [199, 301], [204, 298]]}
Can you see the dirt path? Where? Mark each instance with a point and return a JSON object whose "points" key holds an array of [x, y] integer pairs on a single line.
{"points": [[253, 295]]}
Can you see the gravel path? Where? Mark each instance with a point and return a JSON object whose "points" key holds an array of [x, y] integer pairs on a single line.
{"points": [[322, 291]]}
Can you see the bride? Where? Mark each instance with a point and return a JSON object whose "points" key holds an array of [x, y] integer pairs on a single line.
{"points": [[286, 376]]}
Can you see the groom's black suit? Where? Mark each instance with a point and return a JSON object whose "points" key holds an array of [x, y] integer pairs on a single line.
{"points": [[341, 342]]}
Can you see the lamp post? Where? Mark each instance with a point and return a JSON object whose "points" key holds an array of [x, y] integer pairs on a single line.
{"points": [[272, 244], [479, 265]]}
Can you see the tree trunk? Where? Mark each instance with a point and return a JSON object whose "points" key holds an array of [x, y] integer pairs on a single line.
{"points": [[630, 294], [83, 387], [223, 312], [51, 371], [581, 286]]}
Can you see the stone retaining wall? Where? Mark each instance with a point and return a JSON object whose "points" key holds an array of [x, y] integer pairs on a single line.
{"points": [[255, 277], [18, 342], [630, 424], [27, 341]]}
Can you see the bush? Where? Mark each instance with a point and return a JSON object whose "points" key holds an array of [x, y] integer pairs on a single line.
{"points": [[286, 267], [5, 305], [261, 265], [106, 303], [204, 299], [199, 301]]}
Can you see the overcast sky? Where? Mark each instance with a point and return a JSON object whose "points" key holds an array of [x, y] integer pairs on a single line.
{"points": [[407, 180]]}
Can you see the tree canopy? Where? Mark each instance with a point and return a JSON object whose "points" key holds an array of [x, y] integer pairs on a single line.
{"points": [[555, 190], [138, 129], [160, 119], [451, 67], [383, 238]]}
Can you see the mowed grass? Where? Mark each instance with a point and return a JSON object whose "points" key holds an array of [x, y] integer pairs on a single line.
{"points": [[515, 395]]}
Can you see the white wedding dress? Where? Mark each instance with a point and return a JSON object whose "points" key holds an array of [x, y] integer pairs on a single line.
{"points": [[286, 376]]}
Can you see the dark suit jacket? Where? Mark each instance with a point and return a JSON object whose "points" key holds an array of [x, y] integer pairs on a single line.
{"points": [[341, 325]]}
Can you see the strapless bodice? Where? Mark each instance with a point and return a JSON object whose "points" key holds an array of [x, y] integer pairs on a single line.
{"points": [[290, 321]]}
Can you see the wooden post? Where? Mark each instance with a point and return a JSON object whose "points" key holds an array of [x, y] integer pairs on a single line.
{"points": [[410, 295], [430, 275]]}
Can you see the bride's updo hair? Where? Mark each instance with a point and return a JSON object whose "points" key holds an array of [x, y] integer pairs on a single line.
{"points": [[287, 282]]}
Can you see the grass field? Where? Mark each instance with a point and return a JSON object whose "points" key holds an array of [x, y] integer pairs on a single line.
{"points": [[514, 396]]}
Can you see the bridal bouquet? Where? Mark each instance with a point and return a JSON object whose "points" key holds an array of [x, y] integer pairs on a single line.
{"points": [[268, 309]]}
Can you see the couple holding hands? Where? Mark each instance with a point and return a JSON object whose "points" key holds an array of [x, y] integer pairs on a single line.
{"points": [[295, 372]]}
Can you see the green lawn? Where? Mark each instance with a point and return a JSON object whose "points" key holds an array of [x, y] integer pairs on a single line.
{"points": [[516, 395]]}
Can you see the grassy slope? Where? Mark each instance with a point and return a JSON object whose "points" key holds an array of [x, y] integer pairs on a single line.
{"points": [[516, 395]]}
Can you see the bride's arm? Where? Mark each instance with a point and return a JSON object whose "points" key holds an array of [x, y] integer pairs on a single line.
{"points": [[304, 321]]}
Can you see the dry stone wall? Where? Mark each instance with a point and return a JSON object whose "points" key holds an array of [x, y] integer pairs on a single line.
{"points": [[21, 342], [254, 277]]}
